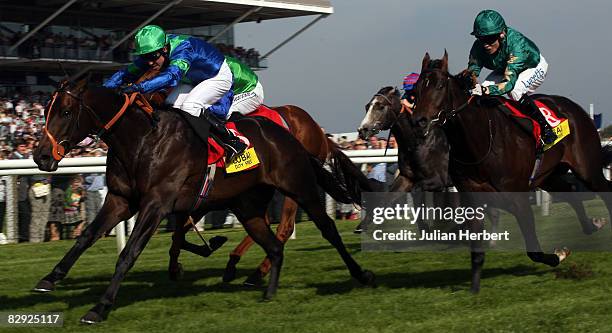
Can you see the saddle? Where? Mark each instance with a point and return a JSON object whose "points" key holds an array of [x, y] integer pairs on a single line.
{"points": [[559, 124]]}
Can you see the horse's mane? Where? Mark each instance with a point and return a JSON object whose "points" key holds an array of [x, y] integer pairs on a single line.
{"points": [[386, 90]]}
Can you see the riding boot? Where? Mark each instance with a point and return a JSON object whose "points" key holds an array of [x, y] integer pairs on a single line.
{"points": [[529, 106], [199, 125], [232, 144]]}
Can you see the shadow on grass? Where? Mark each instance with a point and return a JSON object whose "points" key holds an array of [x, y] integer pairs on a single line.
{"points": [[449, 278], [137, 287]]}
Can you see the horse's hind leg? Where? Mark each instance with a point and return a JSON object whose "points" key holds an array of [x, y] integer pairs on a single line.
{"points": [[561, 189], [283, 232], [175, 269], [521, 209], [114, 210], [314, 208], [148, 220], [593, 178], [251, 214]]}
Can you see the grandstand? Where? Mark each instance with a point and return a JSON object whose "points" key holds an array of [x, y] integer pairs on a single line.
{"points": [[93, 36]]}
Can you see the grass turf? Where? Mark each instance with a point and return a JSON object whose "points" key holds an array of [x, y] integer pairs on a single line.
{"points": [[416, 291]]}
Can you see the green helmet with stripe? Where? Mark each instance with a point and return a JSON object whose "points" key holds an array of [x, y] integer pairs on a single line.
{"points": [[488, 22], [149, 39]]}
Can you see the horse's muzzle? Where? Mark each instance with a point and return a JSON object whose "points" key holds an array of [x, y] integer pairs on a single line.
{"points": [[45, 162]]}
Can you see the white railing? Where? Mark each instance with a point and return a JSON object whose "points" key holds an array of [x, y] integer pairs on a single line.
{"points": [[9, 169]]}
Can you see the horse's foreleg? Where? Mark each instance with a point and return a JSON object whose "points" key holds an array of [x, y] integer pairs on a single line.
{"points": [[114, 210], [175, 270], [148, 220]]}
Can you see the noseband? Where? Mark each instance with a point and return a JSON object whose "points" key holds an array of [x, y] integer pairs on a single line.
{"points": [[58, 149]]}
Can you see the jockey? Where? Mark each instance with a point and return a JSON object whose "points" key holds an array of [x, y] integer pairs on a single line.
{"points": [[248, 91], [408, 97], [517, 65], [198, 72]]}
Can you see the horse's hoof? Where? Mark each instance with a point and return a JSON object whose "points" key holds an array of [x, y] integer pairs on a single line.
{"points": [[368, 278], [44, 286], [216, 242], [230, 269], [177, 273], [91, 318], [599, 223], [563, 253], [267, 297], [255, 280]]}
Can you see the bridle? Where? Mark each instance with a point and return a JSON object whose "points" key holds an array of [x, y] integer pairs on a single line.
{"points": [[59, 150], [444, 116]]}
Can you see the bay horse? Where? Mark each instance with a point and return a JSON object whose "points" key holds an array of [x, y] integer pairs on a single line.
{"points": [[317, 144], [143, 176], [312, 137], [483, 144]]}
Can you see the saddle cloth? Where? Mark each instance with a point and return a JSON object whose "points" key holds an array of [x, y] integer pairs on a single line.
{"points": [[216, 151], [559, 125], [247, 161]]}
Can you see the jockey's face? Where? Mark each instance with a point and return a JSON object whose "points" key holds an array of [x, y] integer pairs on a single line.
{"points": [[156, 59], [490, 43]]}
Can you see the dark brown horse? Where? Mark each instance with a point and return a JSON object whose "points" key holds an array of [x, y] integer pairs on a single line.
{"points": [[484, 145], [316, 143], [143, 176]]}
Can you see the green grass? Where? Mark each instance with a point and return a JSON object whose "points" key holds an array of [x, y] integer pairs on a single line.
{"points": [[417, 292]]}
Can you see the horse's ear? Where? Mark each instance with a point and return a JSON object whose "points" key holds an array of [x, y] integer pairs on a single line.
{"points": [[396, 91], [445, 61], [426, 60], [63, 84], [81, 84]]}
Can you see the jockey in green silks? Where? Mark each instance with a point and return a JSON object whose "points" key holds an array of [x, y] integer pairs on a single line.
{"points": [[517, 64]]}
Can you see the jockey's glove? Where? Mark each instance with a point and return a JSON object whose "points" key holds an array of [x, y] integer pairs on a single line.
{"points": [[131, 88], [477, 90]]}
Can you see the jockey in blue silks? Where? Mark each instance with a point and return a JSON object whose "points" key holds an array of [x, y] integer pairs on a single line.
{"points": [[185, 60]]}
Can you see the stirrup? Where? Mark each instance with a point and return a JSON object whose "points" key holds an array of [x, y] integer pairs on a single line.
{"points": [[231, 152]]}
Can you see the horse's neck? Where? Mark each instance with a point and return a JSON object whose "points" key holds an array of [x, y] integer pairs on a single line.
{"points": [[126, 135], [403, 132]]}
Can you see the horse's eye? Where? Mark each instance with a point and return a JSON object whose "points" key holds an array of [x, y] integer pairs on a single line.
{"points": [[66, 113]]}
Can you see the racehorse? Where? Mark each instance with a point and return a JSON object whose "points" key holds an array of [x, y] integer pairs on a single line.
{"points": [[385, 112], [143, 176], [313, 138], [317, 144], [483, 152]]}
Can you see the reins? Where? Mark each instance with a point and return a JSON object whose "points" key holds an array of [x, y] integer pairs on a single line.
{"points": [[449, 115], [59, 151]]}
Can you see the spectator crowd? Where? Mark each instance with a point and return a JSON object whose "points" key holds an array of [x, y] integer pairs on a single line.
{"points": [[94, 47]]}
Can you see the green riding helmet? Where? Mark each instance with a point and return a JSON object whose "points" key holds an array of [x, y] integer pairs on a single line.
{"points": [[488, 22], [149, 39]]}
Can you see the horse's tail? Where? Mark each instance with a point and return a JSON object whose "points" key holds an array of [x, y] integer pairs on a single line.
{"points": [[347, 173], [331, 184]]}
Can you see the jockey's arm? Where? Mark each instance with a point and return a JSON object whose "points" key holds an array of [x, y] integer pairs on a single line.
{"points": [[130, 73], [475, 61], [170, 77], [516, 65]]}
